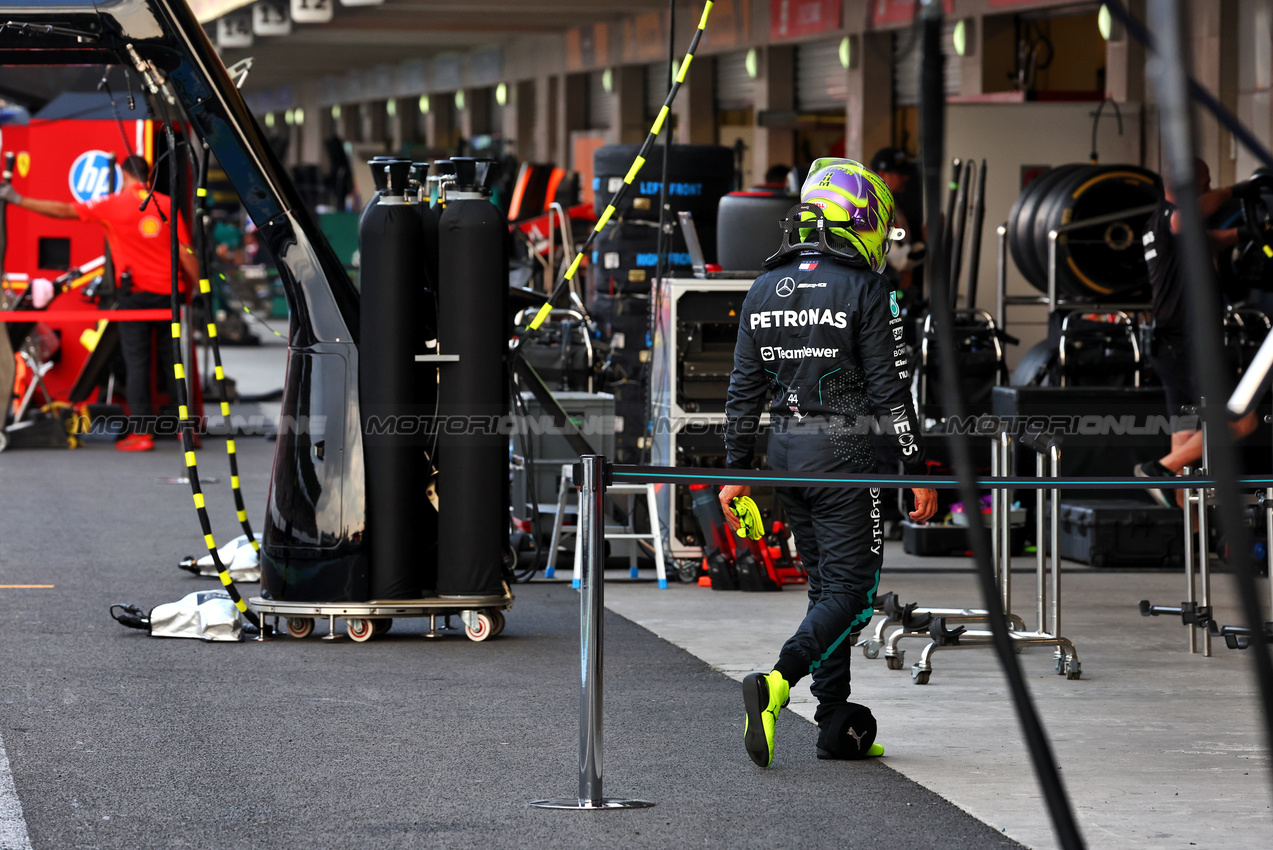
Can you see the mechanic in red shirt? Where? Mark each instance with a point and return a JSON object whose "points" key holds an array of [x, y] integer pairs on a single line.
{"points": [[141, 249]]}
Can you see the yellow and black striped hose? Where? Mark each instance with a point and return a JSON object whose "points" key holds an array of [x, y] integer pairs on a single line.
{"points": [[187, 424], [632, 172], [205, 287]]}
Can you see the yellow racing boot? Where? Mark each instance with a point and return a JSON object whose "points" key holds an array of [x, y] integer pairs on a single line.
{"points": [[763, 696]]}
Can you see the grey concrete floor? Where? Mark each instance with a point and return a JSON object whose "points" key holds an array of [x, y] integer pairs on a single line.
{"points": [[119, 740], [1158, 748]]}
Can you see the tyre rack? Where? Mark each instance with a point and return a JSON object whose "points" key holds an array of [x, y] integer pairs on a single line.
{"points": [[482, 616], [936, 624], [1052, 300]]}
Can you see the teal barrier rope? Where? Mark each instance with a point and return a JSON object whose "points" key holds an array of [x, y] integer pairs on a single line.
{"points": [[766, 478]]}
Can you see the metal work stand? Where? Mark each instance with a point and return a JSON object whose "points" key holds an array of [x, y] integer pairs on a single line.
{"points": [[915, 622], [1066, 660], [1241, 637], [968, 628], [1194, 612], [948, 628], [931, 623]]}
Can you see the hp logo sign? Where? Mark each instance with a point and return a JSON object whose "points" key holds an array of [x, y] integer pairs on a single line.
{"points": [[90, 176]]}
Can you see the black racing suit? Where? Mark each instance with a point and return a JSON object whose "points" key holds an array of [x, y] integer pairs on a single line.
{"points": [[820, 342]]}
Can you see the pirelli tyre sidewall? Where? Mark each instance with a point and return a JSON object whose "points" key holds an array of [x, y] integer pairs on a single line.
{"points": [[1103, 261]]}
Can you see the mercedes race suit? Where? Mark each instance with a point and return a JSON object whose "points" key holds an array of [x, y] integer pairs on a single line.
{"points": [[821, 341]]}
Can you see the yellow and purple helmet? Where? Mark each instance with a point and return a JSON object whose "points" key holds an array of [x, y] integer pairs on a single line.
{"points": [[849, 192]]}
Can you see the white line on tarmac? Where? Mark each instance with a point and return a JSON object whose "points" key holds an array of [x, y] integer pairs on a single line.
{"points": [[13, 828]]}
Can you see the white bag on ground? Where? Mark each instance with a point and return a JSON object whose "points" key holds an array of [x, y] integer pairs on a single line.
{"points": [[206, 614], [238, 556]]}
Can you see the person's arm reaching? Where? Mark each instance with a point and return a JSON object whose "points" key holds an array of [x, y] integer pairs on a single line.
{"points": [[744, 402], [1213, 200], [888, 374], [52, 209]]}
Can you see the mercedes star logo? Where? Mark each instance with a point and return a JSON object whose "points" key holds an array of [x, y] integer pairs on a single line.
{"points": [[786, 286]]}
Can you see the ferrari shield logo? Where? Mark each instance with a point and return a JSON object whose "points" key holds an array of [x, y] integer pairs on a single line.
{"points": [[24, 164]]}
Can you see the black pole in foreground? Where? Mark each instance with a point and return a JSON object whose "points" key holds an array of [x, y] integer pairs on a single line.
{"points": [[1167, 69], [590, 477], [932, 106]]}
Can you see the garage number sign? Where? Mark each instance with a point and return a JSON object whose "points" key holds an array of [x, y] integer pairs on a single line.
{"points": [[270, 17], [235, 30], [90, 176], [312, 11]]}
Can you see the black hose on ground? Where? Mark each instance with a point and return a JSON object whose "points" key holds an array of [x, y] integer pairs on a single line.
{"points": [[1167, 70], [932, 130]]}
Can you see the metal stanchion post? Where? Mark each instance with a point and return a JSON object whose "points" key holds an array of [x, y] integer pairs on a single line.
{"points": [[1189, 580], [1204, 547], [1001, 281], [1054, 454], [995, 470], [591, 480], [1052, 237], [1005, 513], [1040, 586], [1268, 543]]}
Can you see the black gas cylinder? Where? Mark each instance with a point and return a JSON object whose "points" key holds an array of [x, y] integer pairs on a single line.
{"points": [[473, 325], [397, 394]]}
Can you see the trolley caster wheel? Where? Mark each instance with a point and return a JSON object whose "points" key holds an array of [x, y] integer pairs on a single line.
{"points": [[687, 570], [1059, 663], [300, 627], [895, 662], [484, 627], [1073, 669], [920, 677], [380, 627], [497, 623], [871, 648], [360, 630]]}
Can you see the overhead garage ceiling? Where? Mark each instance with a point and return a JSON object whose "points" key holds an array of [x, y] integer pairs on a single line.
{"points": [[361, 37]]}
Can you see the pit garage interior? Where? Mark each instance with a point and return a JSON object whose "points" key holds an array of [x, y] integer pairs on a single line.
{"points": [[410, 213]]}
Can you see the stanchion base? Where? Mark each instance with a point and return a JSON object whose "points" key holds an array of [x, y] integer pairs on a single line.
{"points": [[597, 805]]}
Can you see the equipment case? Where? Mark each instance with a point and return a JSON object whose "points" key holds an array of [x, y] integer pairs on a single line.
{"points": [[1121, 533], [930, 540]]}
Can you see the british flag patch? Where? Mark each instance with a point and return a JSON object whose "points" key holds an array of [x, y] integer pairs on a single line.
{"points": [[808, 267]]}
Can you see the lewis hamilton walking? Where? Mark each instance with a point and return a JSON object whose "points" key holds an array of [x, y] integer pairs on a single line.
{"points": [[820, 345]]}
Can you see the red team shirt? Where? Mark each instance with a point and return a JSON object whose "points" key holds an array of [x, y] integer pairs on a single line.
{"points": [[140, 241]]}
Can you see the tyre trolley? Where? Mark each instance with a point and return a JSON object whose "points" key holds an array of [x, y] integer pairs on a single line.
{"points": [[482, 616]]}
